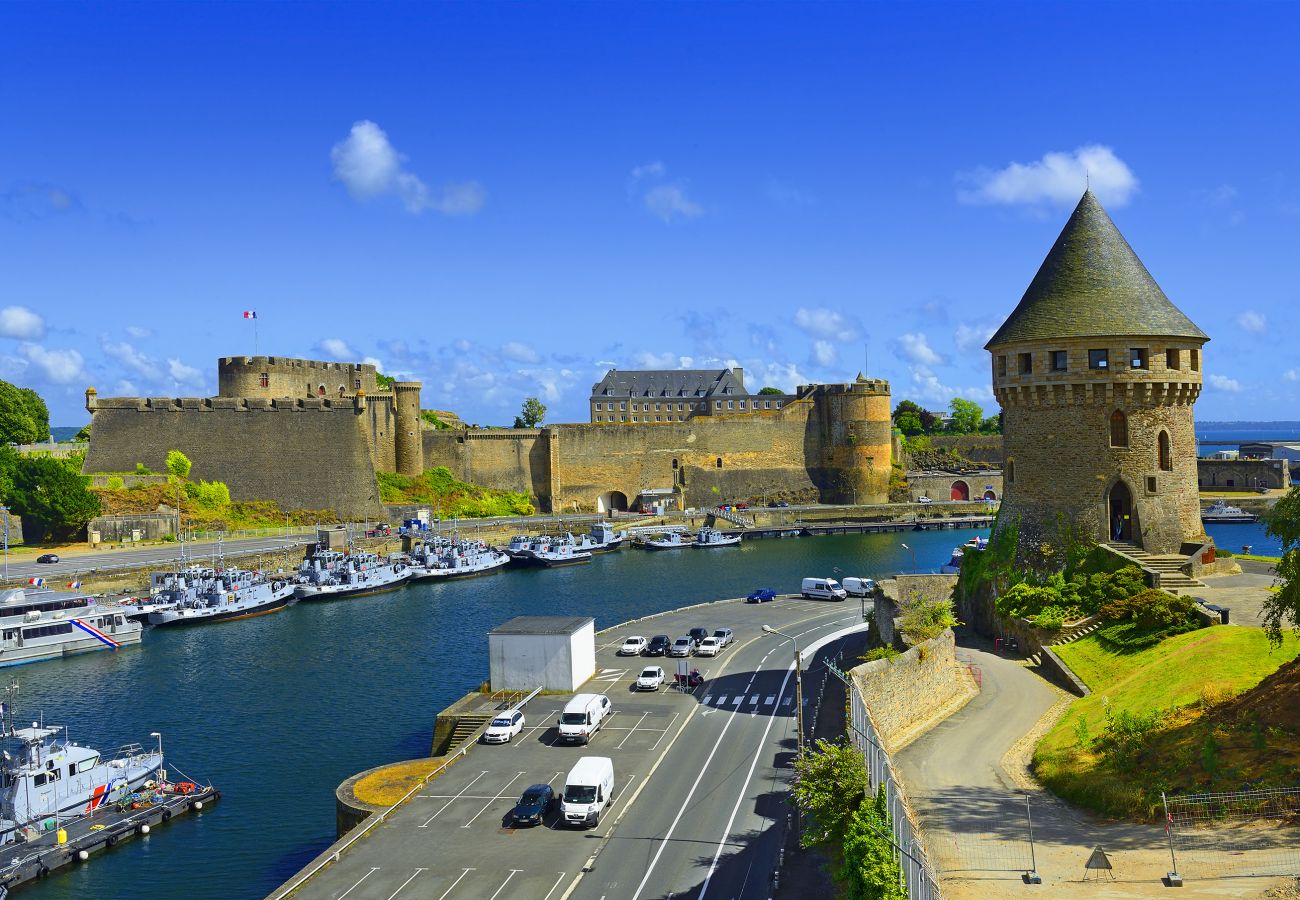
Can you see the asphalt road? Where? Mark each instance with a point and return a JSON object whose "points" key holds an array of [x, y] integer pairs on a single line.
{"points": [[701, 780], [87, 563]]}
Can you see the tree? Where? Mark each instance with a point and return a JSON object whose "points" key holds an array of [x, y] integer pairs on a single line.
{"points": [[532, 414], [24, 419], [992, 425], [907, 406], [909, 423], [385, 382], [870, 869], [1283, 608], [966, 415], [829, 780], [178, 464], [929, 422], [82, 436], [54, 501], [771, 390]]}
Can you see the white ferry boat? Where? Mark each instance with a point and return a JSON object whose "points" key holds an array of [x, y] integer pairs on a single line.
{"points": [[50, 777], [43, 624], [351, 575], [1219, 511], [223, 594], [708, 538], [459, 559], [603, 538], [673, 540]]}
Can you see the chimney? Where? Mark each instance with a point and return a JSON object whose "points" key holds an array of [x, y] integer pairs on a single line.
{"points": [[739, 373]]}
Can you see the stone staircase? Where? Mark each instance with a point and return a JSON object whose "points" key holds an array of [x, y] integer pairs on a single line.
{"points": [[1078, 630], [466, 725], [1168, 565]]}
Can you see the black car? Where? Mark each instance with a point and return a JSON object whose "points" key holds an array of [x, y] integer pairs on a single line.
{"points": [[533, 805], [658, 645], [48, 558], [698, 634]]}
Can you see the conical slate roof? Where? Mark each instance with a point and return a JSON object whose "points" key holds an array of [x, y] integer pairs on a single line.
{"points": [[1092, 284]]}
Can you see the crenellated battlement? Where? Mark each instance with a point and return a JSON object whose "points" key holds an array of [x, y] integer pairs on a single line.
{"points": [[284, 363], [354, 403]]}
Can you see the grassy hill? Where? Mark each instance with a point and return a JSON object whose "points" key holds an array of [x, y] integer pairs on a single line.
{"points": [[1165, 719]]}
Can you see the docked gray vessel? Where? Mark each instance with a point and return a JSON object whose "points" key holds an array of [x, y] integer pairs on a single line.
{"points": [[43, 624], [220, 595], [457, 558], [331, 574]]}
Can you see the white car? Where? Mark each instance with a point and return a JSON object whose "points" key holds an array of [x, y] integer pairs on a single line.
{"points": [[504, 727], [650, 679], [708, 647], [633, 646], [924, 500]]}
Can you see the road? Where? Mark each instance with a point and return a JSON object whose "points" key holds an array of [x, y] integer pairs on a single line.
{"points": [[701, 778], [163, 554]]}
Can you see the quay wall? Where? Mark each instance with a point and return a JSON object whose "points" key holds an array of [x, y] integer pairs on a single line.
{"points": [[304, 453]]}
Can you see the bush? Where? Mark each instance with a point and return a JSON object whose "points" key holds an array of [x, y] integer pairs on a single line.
{"points": [[829, 780], [1127, 735], [871, 870], [922, 618], [1145, 618], [879, 653], [115, 482]]}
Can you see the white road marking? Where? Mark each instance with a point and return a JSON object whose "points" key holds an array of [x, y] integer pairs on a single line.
{"points": [[770, 700], [631, 731], [744, 789], [501, 793], [414, 876], [548, 781], [666, 730], [707, 698], [513, 873], [788, 701], [454, 883], [740, 698], [721, 700], [372, 871], [754, 699], [553, 887], [452, 800]]}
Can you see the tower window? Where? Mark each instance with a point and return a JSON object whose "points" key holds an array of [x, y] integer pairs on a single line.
{"points": [[1026, 364], [264, 380], [1011, 470], [1194, 359], [1118, 429], [1166, 456], [1002, 367], [1151, 484], [356, 384], [1137, 357], [1172, 362], [1098, 359], [719, 463], [320, 390], [1060, 360]]}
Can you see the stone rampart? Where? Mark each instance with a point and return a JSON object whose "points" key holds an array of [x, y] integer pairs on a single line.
{"points": [[978, 448], [1242, 474], [955, 485], [913, 691], [303, 454]]}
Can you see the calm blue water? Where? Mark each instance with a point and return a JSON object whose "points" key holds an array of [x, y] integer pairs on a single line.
{"points": [[277, 710], [1233, 537], [1246, 431]]}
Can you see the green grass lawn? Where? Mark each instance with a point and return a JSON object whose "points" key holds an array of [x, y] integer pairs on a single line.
{"points": [[1177, 678]]}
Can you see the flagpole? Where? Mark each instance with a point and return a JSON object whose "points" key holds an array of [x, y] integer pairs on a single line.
{"points": [[255, 348]]}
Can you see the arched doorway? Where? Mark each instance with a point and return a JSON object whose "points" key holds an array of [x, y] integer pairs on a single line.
{"points": [[960, 491], [611, 501], [1121, 520], [990, 495]]}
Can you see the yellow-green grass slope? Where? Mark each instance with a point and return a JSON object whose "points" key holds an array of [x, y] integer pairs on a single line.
{"points": [[1188, 748]]}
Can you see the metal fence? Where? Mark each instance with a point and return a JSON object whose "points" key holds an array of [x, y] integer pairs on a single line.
{"points": [[922, 884], [1243, 833]]}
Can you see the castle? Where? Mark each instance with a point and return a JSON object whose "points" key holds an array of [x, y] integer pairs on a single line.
{"points": [[1097, 372], [313, 435]]}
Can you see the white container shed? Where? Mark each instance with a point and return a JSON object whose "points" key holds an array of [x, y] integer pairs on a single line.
{"points": [[557, 653]]}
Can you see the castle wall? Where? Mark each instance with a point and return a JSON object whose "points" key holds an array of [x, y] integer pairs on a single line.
{"points": [[303, 454], [241, 376], [380, 419], [508, 459], [1243, 474]]}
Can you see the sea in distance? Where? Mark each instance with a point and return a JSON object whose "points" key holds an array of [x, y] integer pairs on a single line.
{"points": [[277, 710]]}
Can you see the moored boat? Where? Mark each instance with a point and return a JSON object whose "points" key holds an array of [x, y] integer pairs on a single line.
{"points": [[672, 540], [603, 538], [42, 624], [709, 537], [349, 575], [554, 551], [458, 559], [219, 595], [1219, 511]]}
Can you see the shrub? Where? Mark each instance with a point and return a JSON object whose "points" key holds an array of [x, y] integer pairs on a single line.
{"points": [[1127, 735], [870, 870], [829, 780], [1144, 619], [115, 482], [879, 653], [923, 617]]}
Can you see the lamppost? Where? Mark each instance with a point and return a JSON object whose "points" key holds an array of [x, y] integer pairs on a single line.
{"points": [[798, 683], [4, 511], [155, 734], [915, 565]]}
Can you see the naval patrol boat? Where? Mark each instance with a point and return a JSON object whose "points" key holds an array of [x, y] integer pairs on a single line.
{"points": [[459, 558], [42, 624], [224, 594], [330, 574]]}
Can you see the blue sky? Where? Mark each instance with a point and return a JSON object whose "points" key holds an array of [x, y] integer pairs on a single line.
{"points": [[505, 200]]}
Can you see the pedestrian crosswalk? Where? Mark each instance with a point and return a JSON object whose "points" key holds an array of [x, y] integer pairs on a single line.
{"points": [[723, 700]]}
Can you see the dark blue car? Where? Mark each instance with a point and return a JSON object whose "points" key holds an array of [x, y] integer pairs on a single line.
{"points": [[533, 805], [761, 595]]}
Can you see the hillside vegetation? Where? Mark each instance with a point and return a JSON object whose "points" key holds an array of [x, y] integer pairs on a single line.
{"points": [[454, 499], [1158, 720]]}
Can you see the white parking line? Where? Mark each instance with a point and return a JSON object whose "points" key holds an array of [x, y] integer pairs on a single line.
{"points": [[414, 875], [513, 873], [552, 778], [372, 871], [666, 730], [452, 800], [631, 731], [454, 883], [554, 886], [501, 793]]}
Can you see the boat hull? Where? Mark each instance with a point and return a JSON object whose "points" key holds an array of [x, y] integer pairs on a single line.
{"points": [[20, 656], [170, 618], [311, 592]]}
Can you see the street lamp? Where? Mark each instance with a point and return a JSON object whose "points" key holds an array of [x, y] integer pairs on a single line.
{"points": [[155, 734], [915, 565], [4, 511], [798, 683]]}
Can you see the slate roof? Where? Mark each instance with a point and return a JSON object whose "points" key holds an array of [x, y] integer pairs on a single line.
{"points": [[543, 625], [1092, 284], [669, 383]]}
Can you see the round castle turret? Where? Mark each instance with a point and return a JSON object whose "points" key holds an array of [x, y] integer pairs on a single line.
{"points": [[860, 440], [1096, 372], [409, 441], [278, 376]]}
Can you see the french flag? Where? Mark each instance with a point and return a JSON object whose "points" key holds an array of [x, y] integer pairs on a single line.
{"points": [[250, 314], [74, 585], [36, 581]]}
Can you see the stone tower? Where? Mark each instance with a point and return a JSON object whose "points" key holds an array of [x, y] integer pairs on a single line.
{"points": [[1097, 372], [861, 439], [406, 427]]}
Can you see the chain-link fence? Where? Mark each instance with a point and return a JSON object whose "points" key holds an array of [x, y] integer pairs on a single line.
{"points": [[1243, 833], [918, 875]]}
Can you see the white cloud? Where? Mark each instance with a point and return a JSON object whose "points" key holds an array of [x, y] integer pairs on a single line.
{"points": [[646, 359], [126, 354], [1252, 321], [374, 361], [654, 169], [336, 349], [972, 336], [137, 332], [518, 351], [783, 375], [20, 322], [183, 374], [823, 353], [1222, 195], [1058, 178], [369, 166], [669, 201], [916, 348], [1223, 383], [58, 366], [1291, 374], [826, 323], [928, 390]]}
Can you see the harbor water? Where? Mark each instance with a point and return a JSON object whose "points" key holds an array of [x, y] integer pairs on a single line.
{"points": [[277, 710]]}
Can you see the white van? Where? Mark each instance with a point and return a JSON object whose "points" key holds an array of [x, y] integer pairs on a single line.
{"points": [[582, 717], [859, 587], [823, 589], [587, 791]]}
